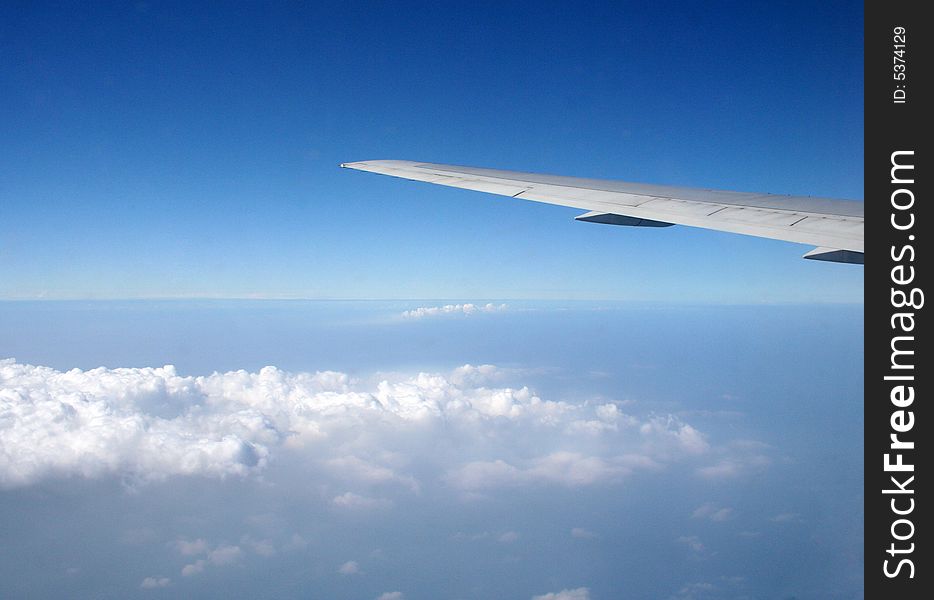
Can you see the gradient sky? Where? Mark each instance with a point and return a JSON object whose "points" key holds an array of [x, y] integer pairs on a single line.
{"points": [[159, 149]]}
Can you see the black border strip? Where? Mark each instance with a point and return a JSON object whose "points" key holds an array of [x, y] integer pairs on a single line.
{"points": [[898, 371]]}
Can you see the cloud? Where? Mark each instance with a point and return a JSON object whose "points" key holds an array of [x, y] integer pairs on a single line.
{"points": [[566, 468], [191, 548], [712, 512], [580, 593], [508, 537], [357, 469], [354, 501], [224, 555], [373, 437], [349, 568], [391, 596], [151, 583], [261, 547], [452, 309], [194, 568], [738, 458], [697, 591], [469, 376], [220, 555]]}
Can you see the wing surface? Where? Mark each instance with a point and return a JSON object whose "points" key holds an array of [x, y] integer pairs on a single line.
{"points": [[835, 227]]}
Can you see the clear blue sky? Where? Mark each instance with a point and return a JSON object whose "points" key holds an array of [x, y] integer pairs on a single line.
{"points": [[169, 149]]}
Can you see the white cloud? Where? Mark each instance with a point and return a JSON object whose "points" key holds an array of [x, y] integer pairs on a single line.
{"points": [[151, 583], [148, 424], [349, 568], [738, 458], [570, 469], [357, 469], [475, 376], [193, 568], [452, 309], [356, 501], [697, 591], [508, 537], [224, 555], [580, 593], [391, 596], [261, 547], [221, 555], [712, 512], [191, 547]]}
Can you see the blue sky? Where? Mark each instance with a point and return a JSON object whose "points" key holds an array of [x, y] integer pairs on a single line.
{"points": [[170, 150]]}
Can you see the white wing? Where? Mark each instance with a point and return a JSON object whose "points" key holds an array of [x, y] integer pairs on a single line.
{"points": [[834, 226]]}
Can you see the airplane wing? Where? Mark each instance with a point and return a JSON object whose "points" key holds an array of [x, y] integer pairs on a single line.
{"points": [[834, 227]]}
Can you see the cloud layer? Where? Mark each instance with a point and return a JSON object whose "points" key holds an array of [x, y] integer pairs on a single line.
{"points": [[452, 309], [463, 430]]}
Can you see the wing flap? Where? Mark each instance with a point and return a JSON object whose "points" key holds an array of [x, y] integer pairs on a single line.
{"points": [[612, 219]]}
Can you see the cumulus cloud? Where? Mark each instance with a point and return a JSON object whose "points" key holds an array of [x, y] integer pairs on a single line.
{"points": [[712, 512], [194, 568], [469, 376], [349, 568], [580, 593], [151, 583], [391, 596], [219, 555], [463, 429], [452, 309]]}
